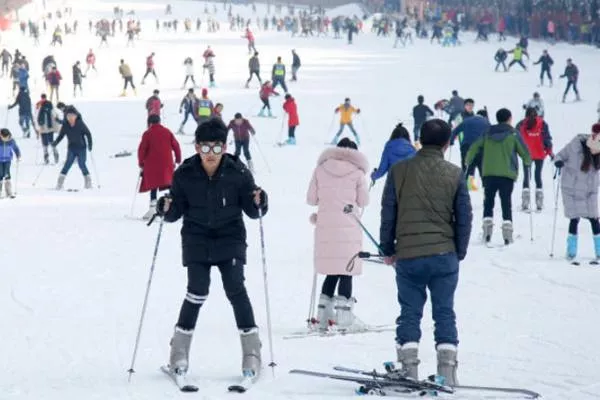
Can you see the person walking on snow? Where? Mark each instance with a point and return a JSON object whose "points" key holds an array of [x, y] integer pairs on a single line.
{"points": [[188, 63], [397, 148], [214, 234], [23, 100], [90, 61], [338, 179], [278, 75], [79, 141], [572, 75], [426, 219], [295, 65], [209, 65], [537, 103], [421, 112], [290, 107], [127, 76], [266, 91], [547, 63], [242, 129], [54, 79], [205, 107], [188, 105], [579, 163], [153, 104], [23, 76], [8, 146], [77, 79], [536, 135], [47, 124], [254, 67], [346, 111], [155, 159], [150, 68], [499, 147]]}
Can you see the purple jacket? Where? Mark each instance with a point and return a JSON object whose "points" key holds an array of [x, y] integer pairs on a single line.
{"points": [[6, 150], [241, 132]]}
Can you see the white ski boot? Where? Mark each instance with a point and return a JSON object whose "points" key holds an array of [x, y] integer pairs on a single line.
{"points": [[525, 199], [180, 350], [61, 182], [488, 228], [447, 363], [251, 359], [507, 232], [345, 319], [539, 199], [325, 314], [151, 211], [408, 357], [8, 189], [88, 182], [251, 166]]}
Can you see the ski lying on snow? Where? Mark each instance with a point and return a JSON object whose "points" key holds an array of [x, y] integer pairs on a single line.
{"points": [[590, 262], [316, 333], [247, 380], [179, 380]]}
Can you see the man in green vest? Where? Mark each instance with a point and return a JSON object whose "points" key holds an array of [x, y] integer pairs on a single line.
{"points": [[205, 107], [518, 53], [278, 75]]}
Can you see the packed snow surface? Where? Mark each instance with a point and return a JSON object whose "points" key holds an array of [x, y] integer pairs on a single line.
{"points": [[74, 269]]}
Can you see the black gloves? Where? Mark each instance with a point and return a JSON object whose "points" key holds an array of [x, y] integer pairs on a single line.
{"points": [[264, 199], [559, 163], [160, 205]]}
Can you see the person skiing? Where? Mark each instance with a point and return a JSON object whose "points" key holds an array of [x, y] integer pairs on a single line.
{"points": [[15, 74], [500, 58], [499, 147], [127, 76], [209, 65], [266, 91], [425, 228], [189, 71], [579, 162], [54, 79], [338, 179], [346, 111], [254, 67], [6, 60], [23, 100], [467, 112], [455, 106], [278, 75], [153, 104], [189, 104], [47, 124], [397, 148], [250, 37], [572, 74], [155, 159], [90, 61], [205, 107], [79, 140], [8, 146], [518, 52], [77, 78], [546, 62], [537, 103], [295, 65], [214, 234], [290, 107], [242, 129], [536, 135], [421, 112], [150, 68], [218, 111]]}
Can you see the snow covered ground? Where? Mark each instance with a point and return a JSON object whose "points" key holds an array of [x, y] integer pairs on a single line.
{"points": [[74, 270]]}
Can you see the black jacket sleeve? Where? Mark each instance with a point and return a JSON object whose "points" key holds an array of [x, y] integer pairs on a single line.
{"points": [[179, 204], [88, 136], [60, 137], [247, 196], [389, 215], [463, 219]]}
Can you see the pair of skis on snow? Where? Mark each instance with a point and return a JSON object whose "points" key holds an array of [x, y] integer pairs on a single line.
{"points": [[180, 380]]}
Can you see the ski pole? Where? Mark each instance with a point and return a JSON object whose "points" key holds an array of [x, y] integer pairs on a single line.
{"points": [[137, 189], [267, 304], [145, 304], [313, 294], [16, 179], [38, 175], [556, 193], [95, 169], [261, 153], [348, 209], [530, 207]]}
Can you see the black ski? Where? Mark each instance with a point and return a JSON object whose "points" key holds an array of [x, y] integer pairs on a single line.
{"points": [[246, 382], [179, 380]]}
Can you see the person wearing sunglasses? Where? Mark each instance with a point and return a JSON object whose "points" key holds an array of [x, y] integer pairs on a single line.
{"points": [[211, 191]]}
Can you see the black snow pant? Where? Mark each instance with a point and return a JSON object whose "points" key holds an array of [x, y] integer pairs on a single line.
{"points": [[243, 145], [571, 84], [503, 63], [503, 186], [539, 164], [232, 275], [257, 73], [573, 223], [128, 81], [469, 170], [266, 104], [343, 283], [292, 131], [520, 62], [148, 72], [189, 77], [547, 72]]}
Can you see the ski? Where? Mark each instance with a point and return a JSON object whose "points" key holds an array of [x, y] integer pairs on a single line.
{"points": [[330, 333], [266, 116], [577, 263], [246, 382], [179, 379]]}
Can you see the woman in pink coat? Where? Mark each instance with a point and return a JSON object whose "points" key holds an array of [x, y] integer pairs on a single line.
{"points": [[338, 179]]}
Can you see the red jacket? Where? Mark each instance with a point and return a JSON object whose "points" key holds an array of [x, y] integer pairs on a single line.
{"points": [[249, 35], [290, 107], [537, 139], [266, 91], [54, 78], [155, 156], [90, 59], [150, 62], [241, 132]]}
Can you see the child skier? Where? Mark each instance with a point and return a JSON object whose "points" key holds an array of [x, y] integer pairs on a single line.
{"points": [[188, 104], [579, 162], [209, 64], [346, 110], [266, 91], [189, 71], [47, 121], [150, 68], [242, 129], [8, 146], [546, 62], [500, 58], [291, 109]]}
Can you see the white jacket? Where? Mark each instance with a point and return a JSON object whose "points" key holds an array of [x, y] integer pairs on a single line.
{"points": [[538, 104]]}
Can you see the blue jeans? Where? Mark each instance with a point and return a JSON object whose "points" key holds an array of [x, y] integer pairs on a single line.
{"points": [[25, 121], [185, 117], [339, 132], [414, 276], [245, 146], [279, 81], [80, 155]]}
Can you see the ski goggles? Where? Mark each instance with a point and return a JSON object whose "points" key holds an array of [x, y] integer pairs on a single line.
{"points": [[215, 148]]}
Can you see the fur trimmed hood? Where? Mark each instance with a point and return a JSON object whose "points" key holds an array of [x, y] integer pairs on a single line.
{"points": [[341, 161]]}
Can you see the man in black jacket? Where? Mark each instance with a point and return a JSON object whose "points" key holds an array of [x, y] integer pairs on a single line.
{"points": [[210, 190], [23, 100], [295, 65], [420, 114]]}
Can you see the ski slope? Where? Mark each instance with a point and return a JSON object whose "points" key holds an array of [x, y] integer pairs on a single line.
{"points": [[73, 270]]}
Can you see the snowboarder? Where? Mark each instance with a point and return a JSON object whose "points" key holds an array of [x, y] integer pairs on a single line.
{"points": [[23, 100], [127, 76], [579, 162], [421, 112], [339, 178], [266, 91], [216, 237], [189, 104], [254, 67], [242, 129], [572, 74], [413, 222], [189, 71], [546, 62], [205, 107], [79, 141], [346, 110], [77, 78], [295, 65], [397, 148], [8, 146], [150, 68], [536, 135], [47, 124], [499, 147], [155, 159], [278, 75], [290, 107], [153, 104]]}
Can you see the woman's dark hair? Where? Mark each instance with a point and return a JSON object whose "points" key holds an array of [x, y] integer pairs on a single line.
{"points": [[347, 143], [589, 158], [400, 132], [531, 114]]}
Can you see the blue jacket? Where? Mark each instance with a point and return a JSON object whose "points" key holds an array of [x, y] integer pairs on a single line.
{"points": [[470, 130], [394, 151], [6, 150], [23, 77]]}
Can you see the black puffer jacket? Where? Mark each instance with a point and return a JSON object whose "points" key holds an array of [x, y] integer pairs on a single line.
{"points": [[213, 226], [78, 135]]}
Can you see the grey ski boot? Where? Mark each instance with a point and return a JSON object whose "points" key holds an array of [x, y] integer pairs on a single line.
{"points": [[408, 356], [88, 182], [525, 199], [507, 232], [1, 183], [180, 350], [151, 211], [539, 199], [251, 166], [251, 359], [55, 154], [447, 363], [8, 189], [488, 228], [325, 314], [61, 182], [345, 320]]}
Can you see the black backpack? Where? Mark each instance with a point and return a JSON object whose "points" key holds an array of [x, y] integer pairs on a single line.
{"points": [[45, 114]]}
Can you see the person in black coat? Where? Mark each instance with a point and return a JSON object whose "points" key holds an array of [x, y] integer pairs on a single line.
{"points": [[500, 57], [211, 191], [420, 114], [572, 75], [23, 100], [295, 65], [79, 142], [77, 78], [546, 62]]}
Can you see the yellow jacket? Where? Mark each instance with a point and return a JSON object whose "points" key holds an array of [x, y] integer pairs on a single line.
{"points": [[346, 113], [125, 71]]}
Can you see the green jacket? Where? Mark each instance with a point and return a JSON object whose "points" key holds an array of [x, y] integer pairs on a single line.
{"points": [[500, 146]]}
